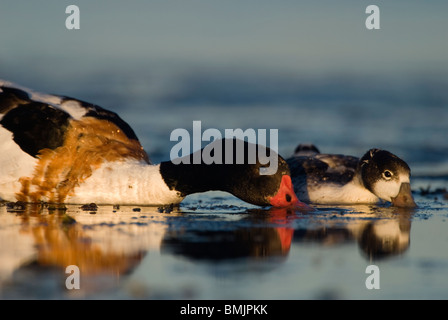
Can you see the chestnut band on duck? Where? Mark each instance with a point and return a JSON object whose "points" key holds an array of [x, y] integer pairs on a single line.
{"points": [[60, 149]]}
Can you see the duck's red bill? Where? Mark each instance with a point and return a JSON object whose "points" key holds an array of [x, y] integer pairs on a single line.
{"points": [[286, 196]]}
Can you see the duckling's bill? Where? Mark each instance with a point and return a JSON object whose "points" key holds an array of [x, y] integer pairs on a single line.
{"points": [[404, 197]]}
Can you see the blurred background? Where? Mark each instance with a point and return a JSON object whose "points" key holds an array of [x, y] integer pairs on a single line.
{"points": [[308, 68]]}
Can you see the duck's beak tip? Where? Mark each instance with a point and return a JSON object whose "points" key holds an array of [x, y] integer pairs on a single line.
{"points": [[404, 197]]}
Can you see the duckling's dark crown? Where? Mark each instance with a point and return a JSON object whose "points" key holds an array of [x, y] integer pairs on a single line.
{"points": [[383, 159]]}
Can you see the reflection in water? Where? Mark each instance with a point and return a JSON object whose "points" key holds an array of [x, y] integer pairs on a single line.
{"points": [[260, 240], [383, 239], [107, 244], [222, 245], [60, 241], [380, 232]]}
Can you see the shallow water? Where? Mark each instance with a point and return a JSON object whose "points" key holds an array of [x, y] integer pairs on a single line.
{"points": [[216, 247]]}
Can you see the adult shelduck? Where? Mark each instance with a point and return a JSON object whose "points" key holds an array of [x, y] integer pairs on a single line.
{"points": [[340, 179], [63, 150]]}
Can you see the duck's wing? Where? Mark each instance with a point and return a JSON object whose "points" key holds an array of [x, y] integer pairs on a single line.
{"points": [[339, 164], [41, 121], [322, 168]]}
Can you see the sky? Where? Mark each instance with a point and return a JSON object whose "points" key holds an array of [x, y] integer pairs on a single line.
{"points": [[317, 55], [307, 37]]}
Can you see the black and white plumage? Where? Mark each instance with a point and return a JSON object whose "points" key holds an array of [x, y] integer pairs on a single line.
{"points": [[60, 149], [340, 179]]}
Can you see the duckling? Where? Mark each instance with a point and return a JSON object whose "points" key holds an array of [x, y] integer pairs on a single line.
{"points": [[341, 179]]}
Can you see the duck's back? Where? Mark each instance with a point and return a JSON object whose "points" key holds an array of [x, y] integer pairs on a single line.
{"points": [[50, 144], [318, 172]]}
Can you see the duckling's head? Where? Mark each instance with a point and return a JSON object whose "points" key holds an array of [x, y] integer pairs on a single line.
{"points": [[387, 176]]}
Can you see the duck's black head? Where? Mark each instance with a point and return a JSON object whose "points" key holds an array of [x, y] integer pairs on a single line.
{"points": [[251, 172], [387, 176]]}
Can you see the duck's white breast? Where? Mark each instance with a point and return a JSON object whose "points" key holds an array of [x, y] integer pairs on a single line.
{"points": [[125, 182], [14, 163], [329, 193]]}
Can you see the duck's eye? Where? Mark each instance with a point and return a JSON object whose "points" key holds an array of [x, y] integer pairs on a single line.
{"points": [[288, 198], [387, 175]]}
